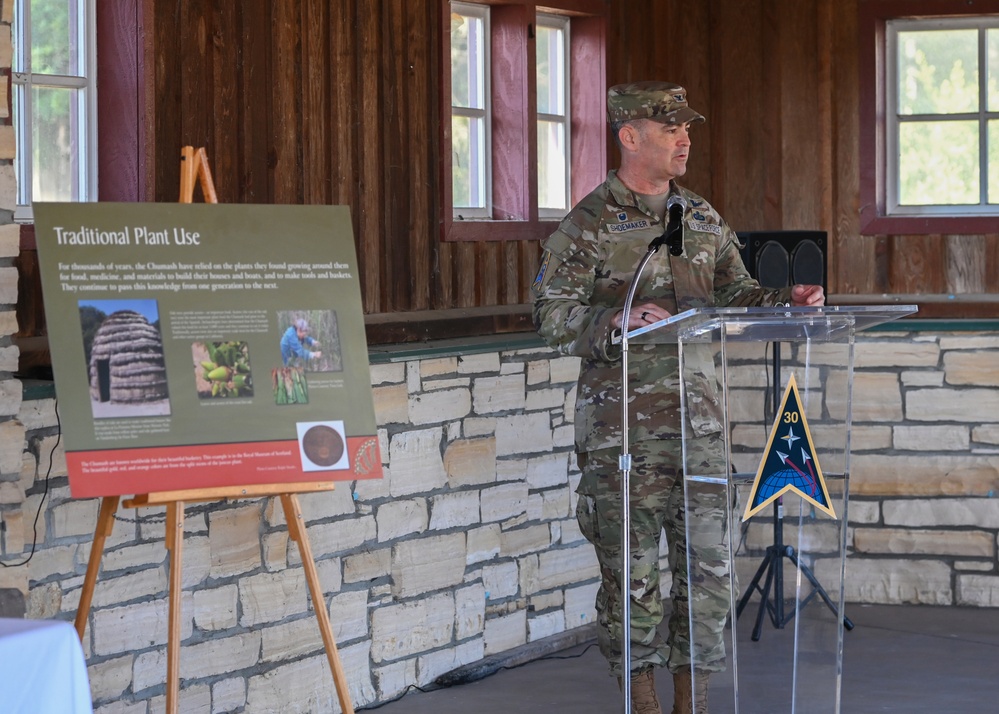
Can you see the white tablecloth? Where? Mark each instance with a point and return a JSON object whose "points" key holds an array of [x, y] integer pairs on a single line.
{"points": [[42, 670]]}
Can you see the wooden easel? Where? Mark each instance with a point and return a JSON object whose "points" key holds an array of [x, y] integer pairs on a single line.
{"points": [[194, 164], [194, 167]]}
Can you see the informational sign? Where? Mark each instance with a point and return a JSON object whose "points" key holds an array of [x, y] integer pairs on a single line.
{"points": [[206, 345], [788, 466]]}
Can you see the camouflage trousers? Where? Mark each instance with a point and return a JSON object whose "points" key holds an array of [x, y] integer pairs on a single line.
{"points": [[658, 503]]}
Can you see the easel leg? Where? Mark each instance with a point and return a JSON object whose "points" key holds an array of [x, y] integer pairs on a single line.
{"points": [[296, 529], [174, 543], [105, 522]]}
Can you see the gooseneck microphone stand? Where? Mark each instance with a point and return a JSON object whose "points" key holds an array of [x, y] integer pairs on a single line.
{"points": [[672, 236], [624, 464]]}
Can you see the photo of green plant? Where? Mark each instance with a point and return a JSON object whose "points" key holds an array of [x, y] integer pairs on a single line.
{"points": [[222, 369], [289, 385]]}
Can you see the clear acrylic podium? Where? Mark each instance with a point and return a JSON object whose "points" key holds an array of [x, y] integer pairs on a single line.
{"points": [[776, 645]]}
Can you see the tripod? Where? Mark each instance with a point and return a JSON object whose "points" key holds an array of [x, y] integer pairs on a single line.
{"points": [[772, 602]]}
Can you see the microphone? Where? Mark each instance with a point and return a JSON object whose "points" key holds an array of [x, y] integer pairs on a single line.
{"points": [[676, 206]]}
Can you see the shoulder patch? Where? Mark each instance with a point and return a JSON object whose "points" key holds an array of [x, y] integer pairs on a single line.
{"points": [[539, 280]]}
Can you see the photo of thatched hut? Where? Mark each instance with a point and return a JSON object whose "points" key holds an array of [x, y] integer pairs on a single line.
{"points": [[127, 374]]}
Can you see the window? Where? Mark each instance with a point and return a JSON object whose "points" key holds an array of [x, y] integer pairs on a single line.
{"points": [[54, 102], [554, 166], [470, 138], [523, 138], [929, 144], [943, 116]]}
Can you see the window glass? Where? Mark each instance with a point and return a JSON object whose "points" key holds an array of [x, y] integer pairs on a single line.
{"points": [[551, 70], [469, 110], [992, 70], [941, 150], [553, 120], [552, 174], [468, 161], [938, 163], [938, 72], [55, 145], [993, 158], [467, 61], [54, 38], [54, 104]]}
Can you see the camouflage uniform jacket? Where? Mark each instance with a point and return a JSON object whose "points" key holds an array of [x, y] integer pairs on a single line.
{"points": [[587, 267]]}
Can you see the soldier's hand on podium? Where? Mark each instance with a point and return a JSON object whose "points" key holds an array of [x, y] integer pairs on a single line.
{"points": [[807, 296], [641, 315]]}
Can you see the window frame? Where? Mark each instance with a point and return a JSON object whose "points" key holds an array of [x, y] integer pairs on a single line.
{"points": [[480, 12], [982, 116], [561, 23], [874, 143], [23, 80], [514, 117]]}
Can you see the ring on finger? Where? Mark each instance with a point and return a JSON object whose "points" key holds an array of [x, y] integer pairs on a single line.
{"points": [[645, 316]]}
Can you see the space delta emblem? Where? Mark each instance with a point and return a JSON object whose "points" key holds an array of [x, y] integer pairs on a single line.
{"points": [[786, 465]]}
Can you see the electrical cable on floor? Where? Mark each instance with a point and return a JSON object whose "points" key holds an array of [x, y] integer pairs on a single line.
{"points": [[472, 678]]}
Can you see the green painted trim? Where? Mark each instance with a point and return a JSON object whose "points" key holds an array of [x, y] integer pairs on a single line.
{"points": [[918, 325], [32, 389], [384, 354]]}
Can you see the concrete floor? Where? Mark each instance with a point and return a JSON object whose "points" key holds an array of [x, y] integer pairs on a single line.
{"points": [[911, 659]]}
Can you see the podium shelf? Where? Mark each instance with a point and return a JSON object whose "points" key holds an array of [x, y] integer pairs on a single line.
{"points": [[769, 324]]}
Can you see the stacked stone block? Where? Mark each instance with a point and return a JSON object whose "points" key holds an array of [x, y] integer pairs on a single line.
{"points": [[13, 479]]}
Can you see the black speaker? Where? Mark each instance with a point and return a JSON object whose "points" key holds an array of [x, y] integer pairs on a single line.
{"points": [[778, 259]]}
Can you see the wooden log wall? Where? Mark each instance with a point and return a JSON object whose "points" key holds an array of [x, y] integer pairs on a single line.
{"points": [[311, 101]]}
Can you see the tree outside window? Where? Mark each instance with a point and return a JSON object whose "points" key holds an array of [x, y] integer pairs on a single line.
{"points": [[944, 109]]}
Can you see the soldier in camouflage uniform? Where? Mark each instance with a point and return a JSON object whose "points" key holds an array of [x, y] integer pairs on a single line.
{"points": [[579, 293]]}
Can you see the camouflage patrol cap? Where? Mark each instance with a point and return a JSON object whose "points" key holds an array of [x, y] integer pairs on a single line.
{"points": [[663, 102]]}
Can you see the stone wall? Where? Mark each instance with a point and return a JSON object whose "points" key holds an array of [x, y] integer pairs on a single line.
{"points": [[13, 583], [924, 510], [468, 547], [924, 472], [465, 549]]}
